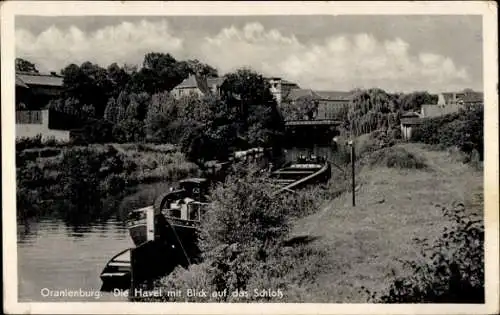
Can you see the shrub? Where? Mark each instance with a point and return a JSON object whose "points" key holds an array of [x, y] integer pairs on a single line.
{"points": [[463, 129], [452, 270], [396, 157], [129, 130], [243, 236], [243, 210], [93, 131], [28, 143]]}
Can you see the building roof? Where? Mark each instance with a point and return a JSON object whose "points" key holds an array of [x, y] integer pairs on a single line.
{"points": [[29, 79], [192, 82], [335, 95], [189, 82], [295, 94]]}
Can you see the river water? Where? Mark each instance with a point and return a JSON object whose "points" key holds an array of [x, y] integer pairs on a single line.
{"points": [[55, 256]]}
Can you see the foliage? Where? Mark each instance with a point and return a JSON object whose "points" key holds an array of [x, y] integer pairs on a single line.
{"points": [[452, 270], [244, 211], [88, 84], [28, 143], [414, 101], [23, 65], [242, 239], [305, 107], [463, 129], [372, 110], [396, 157], [160, 72], [93, 131], [129, 130]]}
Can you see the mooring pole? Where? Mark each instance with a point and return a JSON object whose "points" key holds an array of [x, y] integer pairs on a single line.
{"points": [[353, 176]]}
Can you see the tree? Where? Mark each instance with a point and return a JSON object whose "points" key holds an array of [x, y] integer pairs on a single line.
{"points": [[23, 65], [119, 78], [160, 72], [89, 84], [305, 107], [415, 100], [248, 94], [202, 69]]}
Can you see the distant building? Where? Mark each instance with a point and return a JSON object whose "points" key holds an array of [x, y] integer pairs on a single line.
{"points": [[198, 86], [466, 97], [452, 102], [409, 121], [281, 88], [329, 104], [333, 104], [35, 90]]}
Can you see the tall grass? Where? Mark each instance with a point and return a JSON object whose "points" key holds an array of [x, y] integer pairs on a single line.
{"points": [[451, 270]]}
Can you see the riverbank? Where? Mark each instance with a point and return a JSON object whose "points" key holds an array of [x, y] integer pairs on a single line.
{"points": [[339, 253], [80, 180], [367, 244]]}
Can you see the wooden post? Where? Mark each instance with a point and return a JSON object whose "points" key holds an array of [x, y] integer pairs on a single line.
{"points": [[353, 176], [132, 274]]}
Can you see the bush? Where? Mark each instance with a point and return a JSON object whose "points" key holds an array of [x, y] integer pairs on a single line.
{"points": [[28, 143], [452, 270], [396, 157], [463, 129], [94, 131], [243, 210], [243, 239], [129, 130]]}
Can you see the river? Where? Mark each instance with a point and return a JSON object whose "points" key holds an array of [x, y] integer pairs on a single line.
{"points": [[53, 255]]}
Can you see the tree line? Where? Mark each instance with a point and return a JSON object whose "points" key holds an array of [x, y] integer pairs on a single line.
{"points": [[127, 104]]}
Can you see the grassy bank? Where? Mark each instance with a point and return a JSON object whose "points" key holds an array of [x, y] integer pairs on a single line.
{"points": [[321, 249], [394, 205], [89, 182]]}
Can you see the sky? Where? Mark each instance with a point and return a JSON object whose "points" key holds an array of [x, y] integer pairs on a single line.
{"points": [[395, 53]]}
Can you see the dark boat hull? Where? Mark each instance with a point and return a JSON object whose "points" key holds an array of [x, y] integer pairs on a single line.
{"points": [[117, 273]]}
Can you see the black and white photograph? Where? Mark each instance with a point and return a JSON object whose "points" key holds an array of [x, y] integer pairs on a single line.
{"points": [[250, 157]]}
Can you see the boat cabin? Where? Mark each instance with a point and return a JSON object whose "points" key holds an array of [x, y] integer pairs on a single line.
{"points": [[184, 207]]}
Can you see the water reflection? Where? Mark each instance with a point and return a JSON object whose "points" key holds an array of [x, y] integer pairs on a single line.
{"points": [[70, 253]]}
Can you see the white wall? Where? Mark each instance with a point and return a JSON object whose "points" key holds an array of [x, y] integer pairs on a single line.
{"points": [[33, 130]]}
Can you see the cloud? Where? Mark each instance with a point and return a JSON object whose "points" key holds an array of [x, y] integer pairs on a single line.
{"points": [[337, 62], [126, 42]]}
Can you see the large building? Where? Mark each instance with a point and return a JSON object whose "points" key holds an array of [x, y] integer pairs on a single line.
{"points": [[198, 86], [329, 104], [333, 104], [35, 90]]}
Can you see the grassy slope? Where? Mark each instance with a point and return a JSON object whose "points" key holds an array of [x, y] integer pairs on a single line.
{"points": [[393, 207]]}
